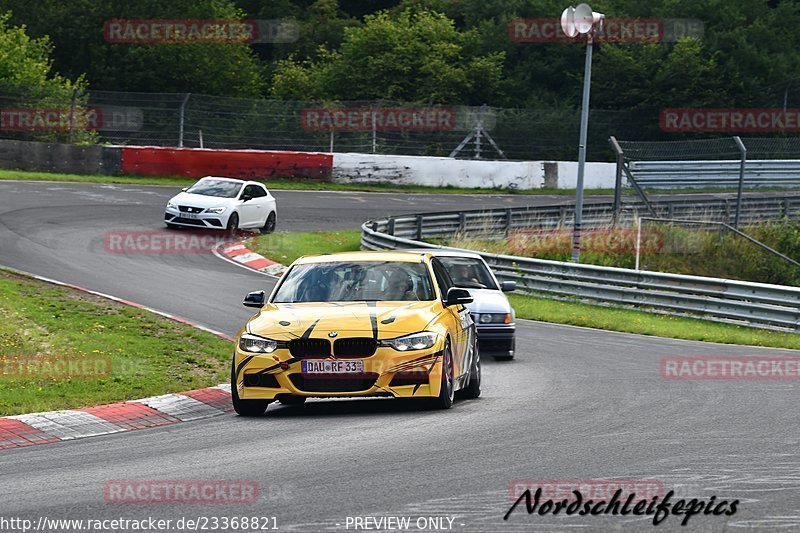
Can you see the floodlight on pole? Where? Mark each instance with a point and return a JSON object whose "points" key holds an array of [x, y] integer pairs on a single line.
{"points": [[576, 21]]}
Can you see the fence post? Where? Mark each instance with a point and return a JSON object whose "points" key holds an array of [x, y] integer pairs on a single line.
{"points": [[638, 240], [374, 130], [390, 229], [462, 221], [182, 118], [618, 179], [743, 151], [508, 222], [419, 227], [72, 113]]}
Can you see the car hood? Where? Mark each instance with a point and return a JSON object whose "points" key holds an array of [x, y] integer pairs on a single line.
{"points": [[382, 319], [199, 200], [488, 301]]}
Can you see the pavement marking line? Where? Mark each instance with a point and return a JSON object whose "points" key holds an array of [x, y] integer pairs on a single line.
{"points": [[68, 424], [14, 433], [130, 415], [180, 406], [238, 254]]}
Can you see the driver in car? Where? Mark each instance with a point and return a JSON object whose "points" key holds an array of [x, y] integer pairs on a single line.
{"points": [[464, 275], [400, 286]]}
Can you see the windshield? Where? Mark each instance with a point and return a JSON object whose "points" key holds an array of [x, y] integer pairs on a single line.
{"points": [[356, 281], [218, 188], [468, 272]]}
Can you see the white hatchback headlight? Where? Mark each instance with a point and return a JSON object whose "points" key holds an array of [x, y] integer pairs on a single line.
{"points": [[255, 344], [415, 341], [171, 205], [216, 210]]}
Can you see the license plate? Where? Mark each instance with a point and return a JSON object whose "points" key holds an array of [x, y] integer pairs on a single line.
{"points": [[189, 215], [328, 366]]}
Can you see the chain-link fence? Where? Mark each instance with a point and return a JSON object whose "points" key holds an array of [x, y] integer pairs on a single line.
{"points": [[722, 148], [386, 127]]}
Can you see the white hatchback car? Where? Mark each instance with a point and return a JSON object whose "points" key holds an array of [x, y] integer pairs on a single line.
{"points": [[223, 203]]}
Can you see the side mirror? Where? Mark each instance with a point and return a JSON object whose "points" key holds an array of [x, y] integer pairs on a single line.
{"points": [[458, 296], [508, 286], [185, 189], [246, 198], [255, 299]]}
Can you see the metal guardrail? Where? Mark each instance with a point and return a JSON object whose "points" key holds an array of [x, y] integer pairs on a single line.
{"points": [[755, 304], [679, 174]]}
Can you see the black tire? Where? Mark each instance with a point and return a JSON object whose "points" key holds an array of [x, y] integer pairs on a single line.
{"points": [[233, 222], [473, 388], [446, 392], [269, 225], [503, 357], [245, 407], [292, 400]]}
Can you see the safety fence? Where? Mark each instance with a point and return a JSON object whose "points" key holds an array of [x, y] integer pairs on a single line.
{"points": [[755, 304], [374, 126], [680, 174], [722, 162]]}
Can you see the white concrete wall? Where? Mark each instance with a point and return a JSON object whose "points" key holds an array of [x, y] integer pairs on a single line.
{"points": [[443, 171], [595, 175]]}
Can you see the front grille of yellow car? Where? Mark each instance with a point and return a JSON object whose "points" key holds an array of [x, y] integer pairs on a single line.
{"points": [[355, 347], [310, 348], [334, 384], [348, 347]]}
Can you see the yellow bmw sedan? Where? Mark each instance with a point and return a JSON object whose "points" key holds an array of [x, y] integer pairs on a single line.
{"points": [[357, 324]]}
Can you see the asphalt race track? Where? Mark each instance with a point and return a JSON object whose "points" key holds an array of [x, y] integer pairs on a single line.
{"points": [[576, 404]]}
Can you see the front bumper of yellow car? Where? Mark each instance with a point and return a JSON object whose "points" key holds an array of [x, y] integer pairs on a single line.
{"points": [[388, 372]]}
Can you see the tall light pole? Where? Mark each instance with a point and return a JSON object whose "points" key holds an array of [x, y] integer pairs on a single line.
{"points": [[576, 21]]}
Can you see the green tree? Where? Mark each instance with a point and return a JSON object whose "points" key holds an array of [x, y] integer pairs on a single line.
{"points": [[413, 55], [26, 61], [27, 81], [76, 30]]}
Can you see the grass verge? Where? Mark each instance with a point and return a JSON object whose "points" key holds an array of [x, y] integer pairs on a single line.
{"points": [[631, 321], [111, 352], [285, 248], [307, 185]]}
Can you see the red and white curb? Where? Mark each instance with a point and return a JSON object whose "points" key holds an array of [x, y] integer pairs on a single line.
{"points": [[240, 254], [55, 426], [70, 424]]}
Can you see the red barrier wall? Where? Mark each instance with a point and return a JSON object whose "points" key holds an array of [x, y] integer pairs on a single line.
{"points": [[245, 164]]}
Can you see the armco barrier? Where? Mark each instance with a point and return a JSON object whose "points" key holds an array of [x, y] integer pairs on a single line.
{"points": [[246, 164], [678, 174], [755, 304]]}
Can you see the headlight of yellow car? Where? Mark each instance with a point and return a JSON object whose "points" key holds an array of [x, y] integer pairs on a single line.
{"points": [[255, 344], [415, 341]]}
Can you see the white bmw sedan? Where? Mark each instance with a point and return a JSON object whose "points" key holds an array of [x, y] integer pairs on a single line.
{"points": [[222, 203], [494, 317]]}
